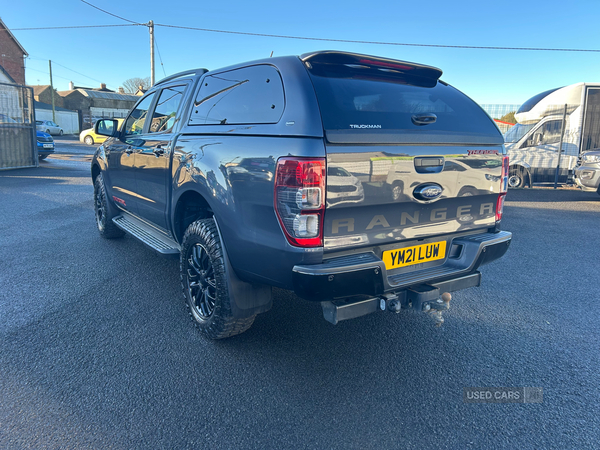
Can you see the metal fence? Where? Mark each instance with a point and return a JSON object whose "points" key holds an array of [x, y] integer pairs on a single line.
{"points": [[18, 145], [497, 111]]}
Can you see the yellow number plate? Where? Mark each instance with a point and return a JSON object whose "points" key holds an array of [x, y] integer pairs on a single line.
{"points": [[408, 256]]}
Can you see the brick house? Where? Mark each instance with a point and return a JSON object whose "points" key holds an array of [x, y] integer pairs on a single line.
{"points": [[12, 56], [43, 94]]}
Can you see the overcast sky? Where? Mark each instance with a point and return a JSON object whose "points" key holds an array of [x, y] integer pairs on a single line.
{"points": [[88, 56]]}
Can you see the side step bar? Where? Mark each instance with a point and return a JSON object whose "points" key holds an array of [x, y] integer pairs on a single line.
{"points": [[416, 297], [147, 234]]}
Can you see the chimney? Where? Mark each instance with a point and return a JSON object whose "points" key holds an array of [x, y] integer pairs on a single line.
{"points": [[103, 86], [121, 90], [71, 86]]}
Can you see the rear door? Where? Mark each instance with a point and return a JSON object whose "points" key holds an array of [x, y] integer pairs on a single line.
{"points": [[154, 155], [423, 159]]}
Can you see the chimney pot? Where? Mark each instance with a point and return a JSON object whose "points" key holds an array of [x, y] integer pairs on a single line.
{"points": [[102, 85]]}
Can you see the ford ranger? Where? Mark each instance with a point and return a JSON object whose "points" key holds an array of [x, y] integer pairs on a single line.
{"points": [[361, 182]]}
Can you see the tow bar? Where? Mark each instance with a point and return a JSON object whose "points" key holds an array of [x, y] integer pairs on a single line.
{"points": [[430, 299], [423, 298]]}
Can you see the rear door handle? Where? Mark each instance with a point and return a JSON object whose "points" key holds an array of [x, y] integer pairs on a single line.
{"points": [[158, 150], [129, 150], [423, 118], [429, 164]]}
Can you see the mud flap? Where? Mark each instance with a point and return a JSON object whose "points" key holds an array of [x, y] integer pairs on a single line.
{"points": [[247, 299]]}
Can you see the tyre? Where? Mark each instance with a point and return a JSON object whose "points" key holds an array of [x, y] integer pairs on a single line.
{"points": [[88, 140], [48, 131], [61, 133], [104, 212], [42, 157], [516, 178], [204, 282], [467, 191]]}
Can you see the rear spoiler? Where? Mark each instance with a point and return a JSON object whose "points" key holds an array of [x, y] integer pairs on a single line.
{"points": [[385, 65]]}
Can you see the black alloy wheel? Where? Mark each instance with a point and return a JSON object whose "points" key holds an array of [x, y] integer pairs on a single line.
{"points": [[202, 285]]}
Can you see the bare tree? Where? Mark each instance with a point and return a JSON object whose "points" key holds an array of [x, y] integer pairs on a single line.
{"points": [[132, 85]]}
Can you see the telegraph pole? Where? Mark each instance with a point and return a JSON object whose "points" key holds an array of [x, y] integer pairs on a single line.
{"points": [[52, 92], [151, 29]]}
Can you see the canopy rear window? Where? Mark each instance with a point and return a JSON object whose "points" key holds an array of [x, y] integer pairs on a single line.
{"points": [[369, 104]]}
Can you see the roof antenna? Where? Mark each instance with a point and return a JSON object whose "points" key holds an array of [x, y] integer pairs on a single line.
{"points": [[271, 54]]}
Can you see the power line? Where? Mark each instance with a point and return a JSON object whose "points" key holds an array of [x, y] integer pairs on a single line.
{"points": [[53, 75], [111, 14], [306, 38], [78, 73], [159, 57], [76, 26], [379, 42]]}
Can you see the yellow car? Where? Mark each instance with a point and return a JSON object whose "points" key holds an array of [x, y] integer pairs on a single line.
{"points": [[91, 138]]}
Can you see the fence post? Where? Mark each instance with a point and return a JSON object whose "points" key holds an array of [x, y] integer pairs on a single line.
{"points": [[562, 135]]}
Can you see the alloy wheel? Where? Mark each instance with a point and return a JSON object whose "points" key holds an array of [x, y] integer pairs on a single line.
{"points": [[202, 285]]}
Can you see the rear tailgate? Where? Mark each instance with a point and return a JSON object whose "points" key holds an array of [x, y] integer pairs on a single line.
{"points": [[408, 157]]}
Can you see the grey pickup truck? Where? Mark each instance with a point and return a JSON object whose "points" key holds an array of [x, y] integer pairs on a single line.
{"points": [[361, 182]]}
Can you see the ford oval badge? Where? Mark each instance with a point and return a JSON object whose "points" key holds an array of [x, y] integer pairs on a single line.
{"points": [[427, 192]]}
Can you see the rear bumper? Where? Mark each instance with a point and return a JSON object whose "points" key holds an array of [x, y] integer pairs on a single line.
{"points": [[365, 273]]}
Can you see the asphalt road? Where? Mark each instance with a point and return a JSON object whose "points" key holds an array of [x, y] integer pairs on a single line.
{"points": [[97, 351]]}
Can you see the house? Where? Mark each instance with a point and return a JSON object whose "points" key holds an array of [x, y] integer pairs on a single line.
{"points": [[43, 94], [12, 58], [92, 104]]}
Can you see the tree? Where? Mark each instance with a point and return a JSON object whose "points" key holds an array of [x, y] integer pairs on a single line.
{"points": [[132, 85], [509, 117]]}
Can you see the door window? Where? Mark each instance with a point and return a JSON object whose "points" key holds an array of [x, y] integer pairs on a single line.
{"points": [[166, 108], [551, 132], [137, 118]]}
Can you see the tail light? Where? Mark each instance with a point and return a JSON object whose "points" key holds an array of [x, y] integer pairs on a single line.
{"points": [[504, 179], [500, 207], [503, 189], [300, 200]]}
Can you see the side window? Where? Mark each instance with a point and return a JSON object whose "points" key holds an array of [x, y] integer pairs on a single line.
{"points": [[251, 95], [551, 133], [137, 118], [163, 117]]}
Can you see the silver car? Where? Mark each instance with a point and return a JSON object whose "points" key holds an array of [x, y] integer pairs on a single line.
{"points": [[587, 171], [47, 126]]}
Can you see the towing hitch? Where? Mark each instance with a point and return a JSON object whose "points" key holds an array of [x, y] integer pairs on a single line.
{"points": [[422, 298], [432, 299]]}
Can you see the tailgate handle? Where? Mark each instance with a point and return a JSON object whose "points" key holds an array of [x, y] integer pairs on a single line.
{"points": [[423, 119], [429, 164]]}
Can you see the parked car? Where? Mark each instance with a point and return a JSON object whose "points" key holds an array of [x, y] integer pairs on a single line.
{"points": [[90, 137], [587, 172], [45, 144], [49, 127]]}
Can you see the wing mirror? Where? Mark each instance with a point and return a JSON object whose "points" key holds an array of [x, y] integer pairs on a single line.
{"points": [[107, 127]]}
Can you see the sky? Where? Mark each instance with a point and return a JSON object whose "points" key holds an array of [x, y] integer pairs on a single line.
{"points": [[90, 56]]}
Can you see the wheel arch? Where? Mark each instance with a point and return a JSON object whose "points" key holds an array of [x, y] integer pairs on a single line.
{"points": [[95, 171], [189, 207], [523, 166]]}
